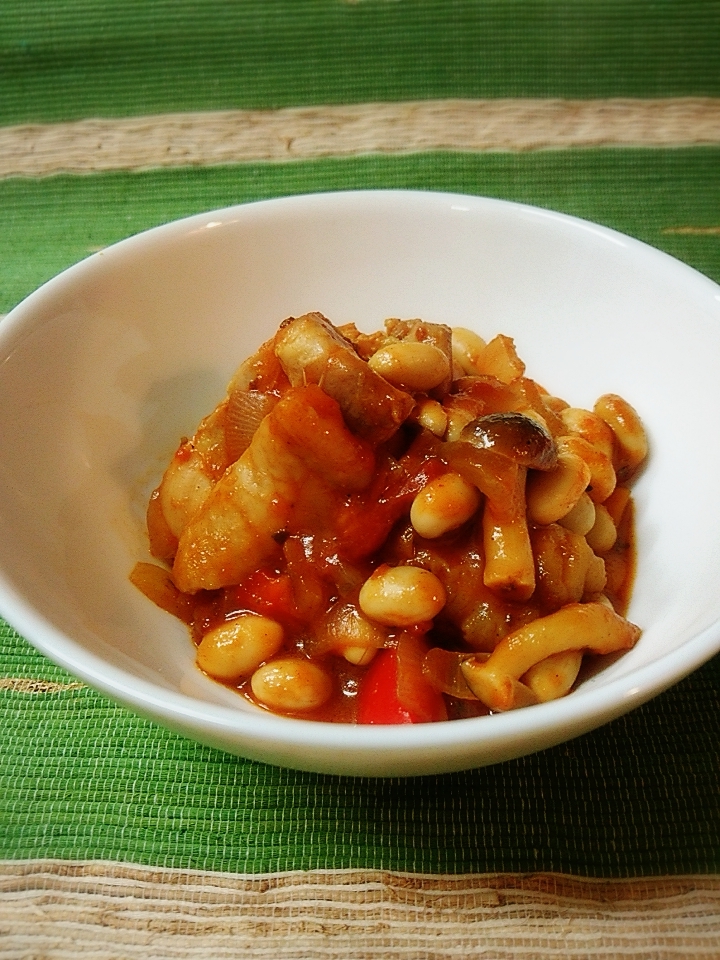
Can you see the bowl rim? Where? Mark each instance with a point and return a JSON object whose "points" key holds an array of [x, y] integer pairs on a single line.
{"points": [[567, 717], [578, 713]]}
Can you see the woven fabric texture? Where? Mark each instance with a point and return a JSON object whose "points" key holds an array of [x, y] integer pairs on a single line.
{"points": [[71, 59], [104, 911], [82, 779]]}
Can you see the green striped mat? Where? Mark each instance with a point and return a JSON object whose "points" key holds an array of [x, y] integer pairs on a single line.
{"points": [[83, 778], [70, 59], [668, 198], [119, 839]]}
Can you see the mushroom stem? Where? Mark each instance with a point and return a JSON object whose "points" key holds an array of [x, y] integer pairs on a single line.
{"points": [[577, 626]]}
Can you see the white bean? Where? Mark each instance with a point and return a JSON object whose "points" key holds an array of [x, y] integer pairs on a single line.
{"points": [[552, 494], [629, 432], [291, 685], [554, 676], [402, 596], [467, 347], [443, 505], [590, 426], [235, 649], [411, 365], [581, 518], [347, 631], [603, 533], [360, 656]]}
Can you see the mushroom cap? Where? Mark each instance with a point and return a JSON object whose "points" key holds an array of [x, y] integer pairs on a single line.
{"points": [[521, 438]]}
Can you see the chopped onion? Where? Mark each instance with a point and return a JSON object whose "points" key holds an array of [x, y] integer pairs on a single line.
{"points": [[442, 668], [245, 411], [157, 585]]}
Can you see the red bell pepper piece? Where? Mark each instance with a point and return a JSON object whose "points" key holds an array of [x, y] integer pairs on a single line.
{"points": [[379, 700], [265, 592], [362, 524]]}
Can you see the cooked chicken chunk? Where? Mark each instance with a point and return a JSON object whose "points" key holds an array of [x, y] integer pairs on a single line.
{"points": [[301, 457]]}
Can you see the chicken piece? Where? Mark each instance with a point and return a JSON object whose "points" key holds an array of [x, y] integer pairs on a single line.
{"points": [[311, 350], [220, 438], [301, 456], [192, 473]]}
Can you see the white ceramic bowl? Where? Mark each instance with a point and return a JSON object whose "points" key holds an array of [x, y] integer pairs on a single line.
{"points": [[106, 366]]}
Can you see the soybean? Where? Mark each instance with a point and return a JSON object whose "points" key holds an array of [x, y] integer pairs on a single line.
{"points": [[443, 505], [235, 649], [291, 685], [411, 365], [402, 596]]}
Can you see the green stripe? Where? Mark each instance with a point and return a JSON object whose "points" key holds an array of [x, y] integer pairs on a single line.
{"points": [[81, 778], [51, 223], [64, 60]]}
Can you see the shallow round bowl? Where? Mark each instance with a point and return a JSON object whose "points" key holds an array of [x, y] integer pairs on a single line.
{"points": [[103, 369]]}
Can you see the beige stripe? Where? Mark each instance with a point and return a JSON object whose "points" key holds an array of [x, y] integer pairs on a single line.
{"points": [[28, 685], [233, 136], [102, 911], [694, 231]]}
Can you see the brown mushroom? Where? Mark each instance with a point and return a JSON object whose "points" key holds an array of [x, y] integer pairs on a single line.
{"points": [[494, 452], [522, 439]]}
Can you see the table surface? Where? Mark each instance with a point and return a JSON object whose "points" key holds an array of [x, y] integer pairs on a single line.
{"points": [[120, 839]]}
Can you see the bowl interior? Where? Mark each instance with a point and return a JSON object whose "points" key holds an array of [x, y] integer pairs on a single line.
{"points": [[104, 368]]}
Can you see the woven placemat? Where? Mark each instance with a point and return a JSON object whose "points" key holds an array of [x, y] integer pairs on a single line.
{"points": [[103, 910], [82, 778], [89, 58], [119, 839]]}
